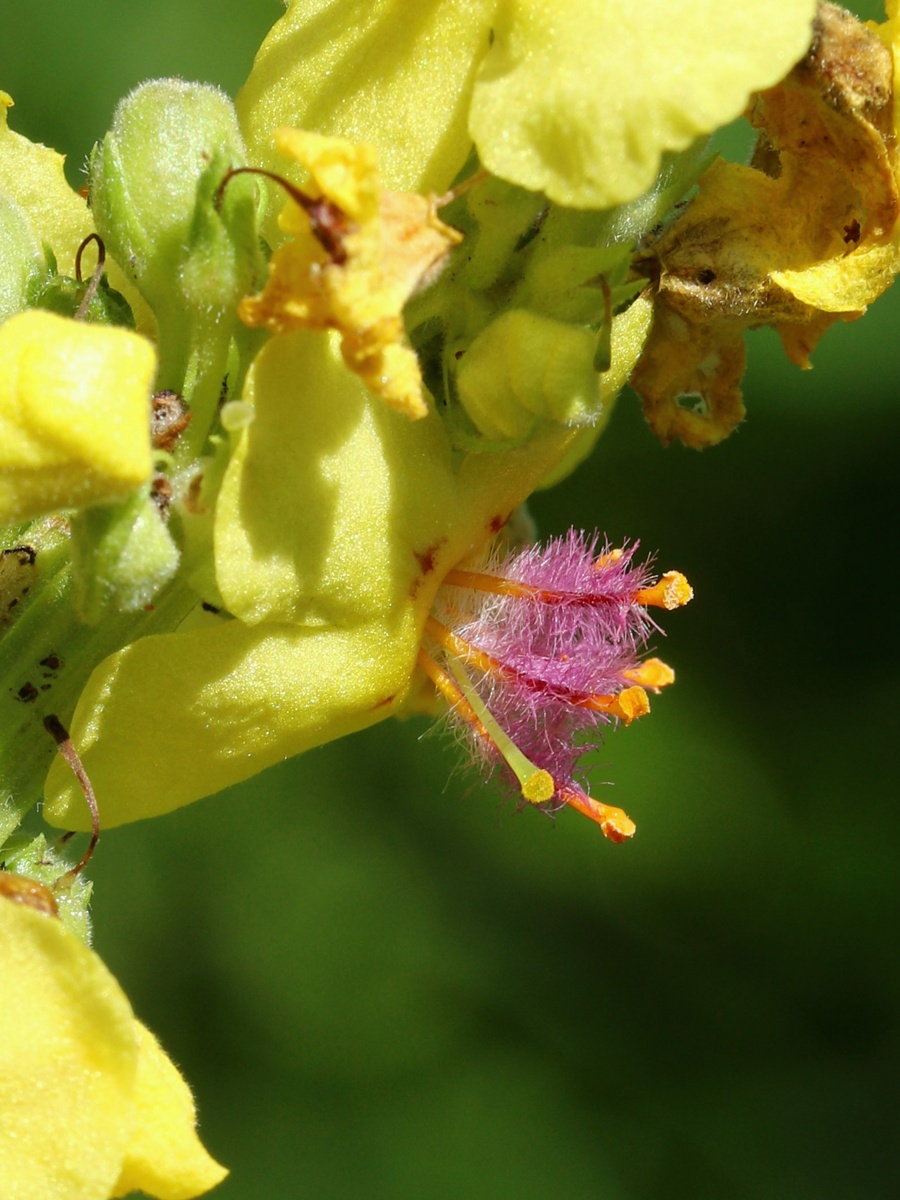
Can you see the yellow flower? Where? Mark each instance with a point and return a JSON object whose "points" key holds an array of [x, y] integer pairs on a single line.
{"points": [[578, 98], [92, 1106], [355, 257], [335, 524], [335, 517], [805, 235]]}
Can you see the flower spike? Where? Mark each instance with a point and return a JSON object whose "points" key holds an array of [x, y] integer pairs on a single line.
{"points": [[545, 647]]}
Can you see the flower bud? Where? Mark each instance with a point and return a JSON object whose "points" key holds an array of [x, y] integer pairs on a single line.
{"points": [[123, 554], [524, 368], [74, 414], [153, 183]]}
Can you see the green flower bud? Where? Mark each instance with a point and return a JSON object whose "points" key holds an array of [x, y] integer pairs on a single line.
{"points": [[165, 138], [525, 368], [189, 243], [65, 296], [122, 555]]}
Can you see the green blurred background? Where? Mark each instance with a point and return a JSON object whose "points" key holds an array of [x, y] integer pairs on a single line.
{"points": [[384, 985]]}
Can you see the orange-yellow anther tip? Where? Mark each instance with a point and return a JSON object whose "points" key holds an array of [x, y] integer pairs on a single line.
{"points": [[672, 591], [611, 556], [631, 704], [616, 825], [653, 673]]}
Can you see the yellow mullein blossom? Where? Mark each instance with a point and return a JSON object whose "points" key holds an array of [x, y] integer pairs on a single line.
{"points": [[335, 523], [92, 1106], [355, 256], [335, 518]]}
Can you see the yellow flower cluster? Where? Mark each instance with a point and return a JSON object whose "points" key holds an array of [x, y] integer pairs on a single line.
{"points": [[318, 527]]}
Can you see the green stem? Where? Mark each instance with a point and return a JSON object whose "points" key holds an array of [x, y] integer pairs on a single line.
{"points": [[47, 655], [203, 379]]}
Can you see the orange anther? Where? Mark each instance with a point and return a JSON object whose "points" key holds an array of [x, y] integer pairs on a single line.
{"points": [[652, 673], [672, 591], [628, 705], [613, 822]]}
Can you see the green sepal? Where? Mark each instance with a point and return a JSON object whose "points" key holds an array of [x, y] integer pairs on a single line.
{"points": [[500, 219], [64, 296], [224, 257], [36, 858], [122, 555]]}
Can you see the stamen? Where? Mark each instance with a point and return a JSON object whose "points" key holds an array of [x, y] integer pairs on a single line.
{"points": [[628, 705], [499, 585], [652, 673], [458, 646], [614, 823], [605, 560], [461, 188], [451, 692], [537, 785], [553, 639], [481, 581], [672, 591]]}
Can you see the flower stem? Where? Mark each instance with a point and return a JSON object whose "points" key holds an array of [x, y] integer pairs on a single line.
{"points": [[47, 655]]}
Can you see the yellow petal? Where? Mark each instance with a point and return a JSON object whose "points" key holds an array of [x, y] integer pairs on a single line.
{"points": [[165, 1158], [328, 496], [74, 414], [336, 511], [238, 699], [68, 1060], [847, 284], [32, 176], [384, 72], [579, 98]]}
